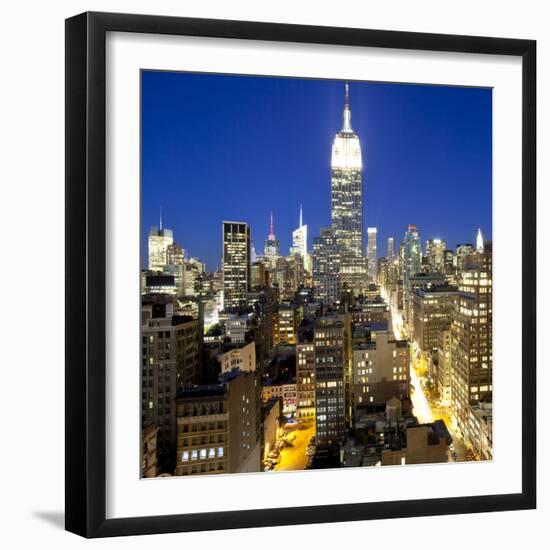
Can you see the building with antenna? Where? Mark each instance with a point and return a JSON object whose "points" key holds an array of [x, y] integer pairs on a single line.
{"points": [[271, 244], [347, 203], [157, 246], [299, 241]]}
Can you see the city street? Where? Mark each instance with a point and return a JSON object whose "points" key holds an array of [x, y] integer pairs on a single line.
{"points": [[423, 407], [294, 457]]}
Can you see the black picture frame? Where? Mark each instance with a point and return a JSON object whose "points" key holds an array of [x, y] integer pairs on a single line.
{"points": [[86, 279]]}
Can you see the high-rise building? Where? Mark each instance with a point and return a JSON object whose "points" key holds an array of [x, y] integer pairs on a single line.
{"points": [[472, 341], [157, 247], [271, 244], [433, 309], [236, 264], [299, 241], [347, 203], [462, 251], [391, 249], [170, 359], [435, 255], [288, 322], [305, 373], [332, 343], [325, 262], [372, 263], [411, 259]]}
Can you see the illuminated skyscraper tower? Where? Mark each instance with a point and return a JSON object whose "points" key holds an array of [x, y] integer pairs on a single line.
{"points": [[391, 250], [271, 244], [479, 242], [236, 264], [412, 260], [158, 242], [299, 241], [372, 257], [347, 203]]}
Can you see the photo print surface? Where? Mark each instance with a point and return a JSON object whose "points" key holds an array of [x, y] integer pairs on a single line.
{"points": [[316, 274]]}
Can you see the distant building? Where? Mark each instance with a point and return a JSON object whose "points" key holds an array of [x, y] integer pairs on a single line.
{"points": [[258, 276], [299, 242], [391, 249], [372, 265], [159, 283], [218, 427], [435, 255], [157, 246], [411, 253], [325, 265], [271, 246], [236, 264], [462, 251]]}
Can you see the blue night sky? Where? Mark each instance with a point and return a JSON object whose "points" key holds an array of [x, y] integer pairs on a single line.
{"points": [[218, 147]]}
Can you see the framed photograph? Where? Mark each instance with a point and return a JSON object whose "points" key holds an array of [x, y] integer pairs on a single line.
{"points": [[300, 276]]}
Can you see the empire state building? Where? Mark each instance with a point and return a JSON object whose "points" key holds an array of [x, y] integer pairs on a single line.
{"points": [[347, 204]]}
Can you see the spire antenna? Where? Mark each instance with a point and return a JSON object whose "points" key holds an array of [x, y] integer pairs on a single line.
{"points": [[271, 233], [347, 112], [301, 216], [160, 222]]}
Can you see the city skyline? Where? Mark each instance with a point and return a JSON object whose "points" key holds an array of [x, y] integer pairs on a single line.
{"points": [[467, 137]]}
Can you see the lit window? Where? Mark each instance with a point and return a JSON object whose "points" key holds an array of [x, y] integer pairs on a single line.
{"points": [[185, 456], [220, 451]]}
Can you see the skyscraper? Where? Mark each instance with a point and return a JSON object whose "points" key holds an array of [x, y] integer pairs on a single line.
{"points": [[472, 342], [391, 250], [479, 242], [236, 264], [159, 241], [371, 254], [325, 266], [299, 241], [271, 244], [332, 349], [347, 202], [435, 255], [412, 259]]}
